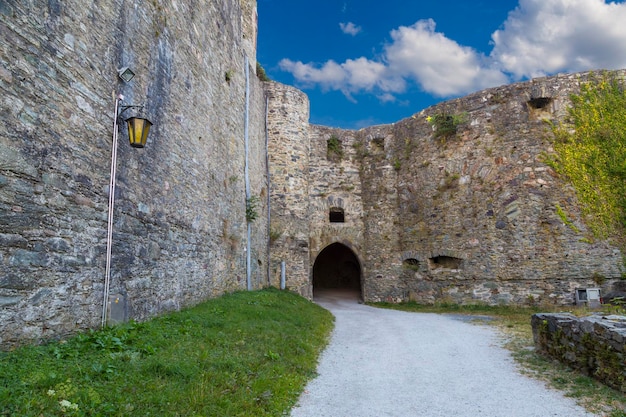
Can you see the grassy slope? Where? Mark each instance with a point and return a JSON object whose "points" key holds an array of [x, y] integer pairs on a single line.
{"points": [[243, 354]]}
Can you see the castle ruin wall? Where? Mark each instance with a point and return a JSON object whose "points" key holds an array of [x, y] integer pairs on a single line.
{"points": [[288, 150], [473, 217], [179, 232]]}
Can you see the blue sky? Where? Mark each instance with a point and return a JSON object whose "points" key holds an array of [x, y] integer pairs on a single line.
{"points": [[368, 62]]}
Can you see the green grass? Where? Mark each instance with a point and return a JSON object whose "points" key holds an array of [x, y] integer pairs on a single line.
{"points": [[243, 354], [514, 324]]}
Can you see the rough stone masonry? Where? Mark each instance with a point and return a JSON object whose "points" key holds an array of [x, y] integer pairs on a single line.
{"points": [[388, 210], [594, 345], [180, 229], [471, 218]]}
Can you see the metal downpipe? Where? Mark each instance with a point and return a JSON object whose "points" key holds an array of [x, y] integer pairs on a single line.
{"points": [[107, 273], [247, 178]]}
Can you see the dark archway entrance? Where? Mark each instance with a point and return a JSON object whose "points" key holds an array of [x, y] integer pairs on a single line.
{"points": [[336, 267]]}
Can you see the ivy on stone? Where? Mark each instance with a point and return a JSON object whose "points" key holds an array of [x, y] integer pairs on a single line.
{"points": [[590, 152]]}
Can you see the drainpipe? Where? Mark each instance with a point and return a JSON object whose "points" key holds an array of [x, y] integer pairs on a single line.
{"points": [[247, 179], [282, 275], [107, 273], [269, 184]]}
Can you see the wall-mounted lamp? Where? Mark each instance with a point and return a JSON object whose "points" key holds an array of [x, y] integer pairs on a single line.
{"points": [[138, 129], [125, 73]]}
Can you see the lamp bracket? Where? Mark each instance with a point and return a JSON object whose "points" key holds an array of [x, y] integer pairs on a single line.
{"points": [[124, 108]]}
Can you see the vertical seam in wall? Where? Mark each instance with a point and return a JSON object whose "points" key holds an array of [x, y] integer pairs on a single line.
{"points": [[269, 184], [247, 176]]}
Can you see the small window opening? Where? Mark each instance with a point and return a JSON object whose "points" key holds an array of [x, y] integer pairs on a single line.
{"points": [[334, 149], [539, 108], [379, 143], [447, 262], [539, 103], [411, 263], [336, 215]]}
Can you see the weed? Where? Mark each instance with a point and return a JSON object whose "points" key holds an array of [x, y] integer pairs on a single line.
{"points": [[598, 278], [252, 204], [334, 149], [446, 125], [411, 264], [275, 234], [260, 72], [565, 220], [450, 181]]}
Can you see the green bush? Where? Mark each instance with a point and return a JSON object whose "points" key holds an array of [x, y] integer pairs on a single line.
{"points": [[446, 125], [252, 204]]}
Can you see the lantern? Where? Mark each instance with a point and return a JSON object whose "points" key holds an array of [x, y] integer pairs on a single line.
{"points": [[138, 129]]}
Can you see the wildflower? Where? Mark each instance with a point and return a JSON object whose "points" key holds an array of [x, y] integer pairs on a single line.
{"points": [[51, 393], [67, 405], [429, 119]]}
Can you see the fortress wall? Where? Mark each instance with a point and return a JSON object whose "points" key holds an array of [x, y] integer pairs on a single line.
{"points": [[179, 221], [288, 130], [335, 184], [475, 215], [469, 218]]}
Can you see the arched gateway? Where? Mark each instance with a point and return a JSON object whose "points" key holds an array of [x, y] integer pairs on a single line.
{"points": [[337, 267]]}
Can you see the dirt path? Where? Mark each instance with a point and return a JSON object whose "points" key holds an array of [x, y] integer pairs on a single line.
{"points": [[392, 363]]}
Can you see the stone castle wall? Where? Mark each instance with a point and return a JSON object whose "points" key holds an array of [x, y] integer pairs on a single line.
{"points": [[179, 231], [288, 150], [466, 219], [475, 216]]}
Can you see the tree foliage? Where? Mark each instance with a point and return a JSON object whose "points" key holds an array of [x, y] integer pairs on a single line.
{"points": [[590, 151]]}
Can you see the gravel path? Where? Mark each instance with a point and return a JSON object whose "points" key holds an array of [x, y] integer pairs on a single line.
{"points": [[392, 363]]}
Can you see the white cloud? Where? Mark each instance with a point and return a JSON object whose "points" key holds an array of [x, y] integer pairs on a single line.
{"points": [[350, 28], [438, 64], [330, 76], [350, 77], [387, 98], [539, 37], [543, 37]]}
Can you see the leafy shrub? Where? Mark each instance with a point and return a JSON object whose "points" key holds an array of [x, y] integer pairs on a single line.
{"points": [[446, 125]]}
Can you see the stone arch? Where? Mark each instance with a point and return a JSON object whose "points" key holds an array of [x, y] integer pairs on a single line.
{"points": [[337, 267]]}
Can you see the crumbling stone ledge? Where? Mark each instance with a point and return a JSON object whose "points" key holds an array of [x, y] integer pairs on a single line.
{"points": [[594, 345]]}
